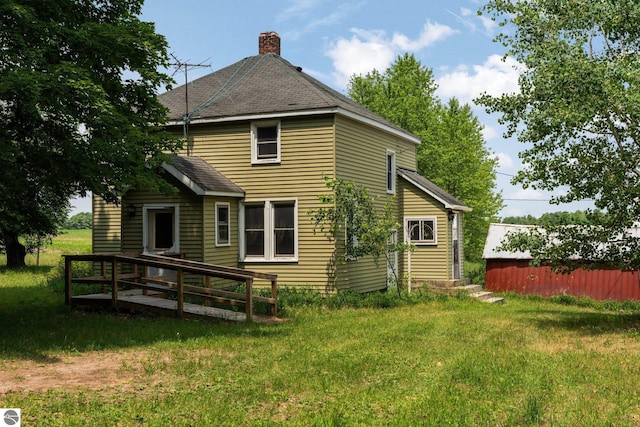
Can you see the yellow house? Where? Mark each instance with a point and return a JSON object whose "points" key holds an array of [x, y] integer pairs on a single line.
{"points": [[260, 136]]}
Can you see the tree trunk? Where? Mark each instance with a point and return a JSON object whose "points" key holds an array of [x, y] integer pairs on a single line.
{"points": [[16, 251]]}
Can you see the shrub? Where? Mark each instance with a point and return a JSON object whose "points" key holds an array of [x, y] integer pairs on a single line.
{"points": [[475, 271]]}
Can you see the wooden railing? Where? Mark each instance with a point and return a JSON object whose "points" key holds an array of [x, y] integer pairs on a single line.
{"points": [[136, 268]]}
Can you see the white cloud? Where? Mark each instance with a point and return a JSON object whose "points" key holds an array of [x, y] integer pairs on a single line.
{"points": [[301, 9], [495, 77], [430, 34], [469, 19], [367, 50], [489, 132], [528, 194], [504, 161], [488, 24], [466, 12], [297, 8], [364, 52]]}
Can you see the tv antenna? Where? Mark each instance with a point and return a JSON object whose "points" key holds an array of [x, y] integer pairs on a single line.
{"points": [[185, 66]]}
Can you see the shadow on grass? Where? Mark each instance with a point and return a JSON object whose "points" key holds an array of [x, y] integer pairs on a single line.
{"points": [[586, 323], [31, 269], [34, 322]]}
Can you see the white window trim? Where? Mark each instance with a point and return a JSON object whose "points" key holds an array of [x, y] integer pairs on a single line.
{"points": [[254, 142], [176, 225], [392, 154], [407, 233], [228, 206], [269, 247]]}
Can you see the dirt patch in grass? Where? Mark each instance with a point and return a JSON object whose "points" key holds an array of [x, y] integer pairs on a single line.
{"points": [[88, 371]]}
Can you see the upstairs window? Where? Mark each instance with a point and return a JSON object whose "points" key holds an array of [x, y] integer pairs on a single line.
{"points": [[421, 231], [391, 172], [265, 142]]}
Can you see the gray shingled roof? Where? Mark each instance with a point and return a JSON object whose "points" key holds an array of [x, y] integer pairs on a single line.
{"points": [[259, 85], [433, 190], [200, 177]]}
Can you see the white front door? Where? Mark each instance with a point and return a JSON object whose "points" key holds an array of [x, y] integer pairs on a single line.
{"points": [[161, 233]]}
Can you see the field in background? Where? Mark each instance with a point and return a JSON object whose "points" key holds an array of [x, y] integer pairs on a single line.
{"points": [[437, 362]]}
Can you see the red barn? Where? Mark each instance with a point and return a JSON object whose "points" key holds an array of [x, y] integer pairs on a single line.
{"points": [[511, 272]]}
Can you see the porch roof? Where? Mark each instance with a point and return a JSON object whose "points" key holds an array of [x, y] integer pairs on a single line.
{"points": [[432, 190], [200, 177]]}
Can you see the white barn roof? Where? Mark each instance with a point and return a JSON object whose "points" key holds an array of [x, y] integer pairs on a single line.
{"points": [[495, 238]]}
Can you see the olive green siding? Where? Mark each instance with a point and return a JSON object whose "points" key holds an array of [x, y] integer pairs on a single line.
{"points": [[307, 154], [220, 255], [311, 147], [361, 156], [106, 232], [190, 220], [428, 262]]}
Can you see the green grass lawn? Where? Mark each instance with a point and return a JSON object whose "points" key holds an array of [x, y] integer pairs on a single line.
{"points": [[439, 362]]}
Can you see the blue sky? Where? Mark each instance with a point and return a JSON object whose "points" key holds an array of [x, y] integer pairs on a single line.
{"points": [[334, 39]]}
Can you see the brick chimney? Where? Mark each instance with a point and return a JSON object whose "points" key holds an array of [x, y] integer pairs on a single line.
{"points": [[269, 42]]}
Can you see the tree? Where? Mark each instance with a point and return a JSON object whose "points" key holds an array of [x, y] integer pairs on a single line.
{"points": [[80, 221], [554, 218], [578, 110], [78, 109], [452, 153], [350, 211]]}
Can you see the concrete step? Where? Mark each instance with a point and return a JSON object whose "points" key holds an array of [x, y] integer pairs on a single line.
{"points": [[474, 291], [482, 295], [470, 289]]}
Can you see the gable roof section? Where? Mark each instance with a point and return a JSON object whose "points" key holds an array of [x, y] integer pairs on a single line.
{"points": [[432, 190], [264, 86], [200, 177]]}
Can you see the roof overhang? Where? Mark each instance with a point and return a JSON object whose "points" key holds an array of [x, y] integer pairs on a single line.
{"points": [[193, 186], [436, 196], [302, 113]]}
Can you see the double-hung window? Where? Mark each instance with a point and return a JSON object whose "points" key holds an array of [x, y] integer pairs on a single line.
{"points": [[421, 230], [265, 142], [391, 172], [270, 231], [223, 225]]}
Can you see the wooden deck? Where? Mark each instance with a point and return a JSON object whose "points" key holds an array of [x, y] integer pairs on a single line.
{"points": [[137, 290], [135, 300]]}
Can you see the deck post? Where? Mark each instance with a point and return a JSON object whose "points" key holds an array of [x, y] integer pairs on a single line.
{"points": [[114, 282], [143, 278], [67, 280], [180, 278], [103, 273], [207, 284], [274, 295], [249, 299]]}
